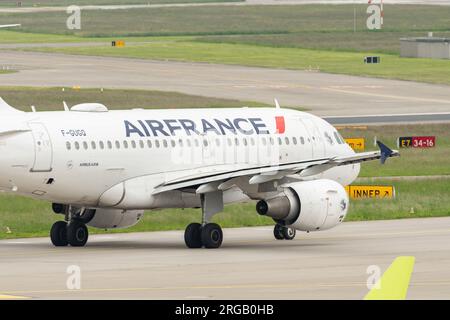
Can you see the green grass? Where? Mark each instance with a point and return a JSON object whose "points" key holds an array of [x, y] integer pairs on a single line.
{"points": [[226, 20], [361, 41], [415, 199], [52, 3], [50, 99], [28, 218], [412, 162], [394, 67]]}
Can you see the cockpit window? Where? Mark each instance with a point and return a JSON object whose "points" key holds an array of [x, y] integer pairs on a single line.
{"points": [[338, 138]]}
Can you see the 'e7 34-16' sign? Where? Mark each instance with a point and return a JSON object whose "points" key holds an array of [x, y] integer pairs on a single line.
{"points": [[417, 142]]}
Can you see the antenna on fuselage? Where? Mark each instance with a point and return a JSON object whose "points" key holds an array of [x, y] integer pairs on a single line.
{"points": [[277, 105], [33, 108], [66, 108]]}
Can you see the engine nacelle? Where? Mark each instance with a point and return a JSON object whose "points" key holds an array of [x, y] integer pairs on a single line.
{"points": [[115, 218], [308, 206]]}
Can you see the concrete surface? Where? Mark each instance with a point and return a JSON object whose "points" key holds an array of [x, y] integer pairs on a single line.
{"points": [[324, 94], [250, 265]]}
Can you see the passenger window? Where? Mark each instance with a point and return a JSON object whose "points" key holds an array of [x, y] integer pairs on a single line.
{"points": [[133, 144], [77, 145], [236, 141], [180, 142], [286, 140], [218, 142], [125, 144], [165, 144], [68, 146], [93, 145], [102, 145], [294, 140], [280, 142], [109, 144], [157, 143], [117, 144], [85, 145], [172, 143], [149, 143], [244, 140], [141, 144]]}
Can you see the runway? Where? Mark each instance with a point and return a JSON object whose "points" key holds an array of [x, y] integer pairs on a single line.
{"points": [[250, 265], [390, 119], [323, 94]]}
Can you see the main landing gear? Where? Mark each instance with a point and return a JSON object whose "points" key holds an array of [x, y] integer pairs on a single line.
{"points": [[206, 234], [281, 232], [73, 231], [209, 235]]}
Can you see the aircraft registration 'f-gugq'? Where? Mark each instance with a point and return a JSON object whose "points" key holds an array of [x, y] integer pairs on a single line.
{"points": [[104, 168]]}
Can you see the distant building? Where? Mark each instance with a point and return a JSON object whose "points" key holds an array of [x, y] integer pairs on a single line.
{"points": [[425, 47]]}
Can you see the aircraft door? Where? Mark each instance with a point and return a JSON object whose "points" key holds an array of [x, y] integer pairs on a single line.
{"points": [[315, 137], [42, 147]]}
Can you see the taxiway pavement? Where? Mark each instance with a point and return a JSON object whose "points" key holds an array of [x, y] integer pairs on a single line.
{"points": [[251, 264]]}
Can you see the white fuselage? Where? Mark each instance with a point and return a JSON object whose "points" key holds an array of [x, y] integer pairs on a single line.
{"points": [[117, 158]]}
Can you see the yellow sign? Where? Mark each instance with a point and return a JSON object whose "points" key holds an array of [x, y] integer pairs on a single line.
{"points": [[118, 43], [356, 143], [358, 192]]}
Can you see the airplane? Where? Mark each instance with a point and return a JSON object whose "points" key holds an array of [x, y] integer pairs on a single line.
{"points": [[103, 168], [10, 25]]}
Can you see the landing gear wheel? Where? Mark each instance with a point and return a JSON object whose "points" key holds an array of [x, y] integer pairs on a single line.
{"points": [[77, 234], [192, 235], [278, 232], [288, 233], [211, 235], [58, 234]]}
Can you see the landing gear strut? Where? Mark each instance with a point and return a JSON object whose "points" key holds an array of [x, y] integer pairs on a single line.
{"points": [[281, 232], [73, 231], [206, 234]]}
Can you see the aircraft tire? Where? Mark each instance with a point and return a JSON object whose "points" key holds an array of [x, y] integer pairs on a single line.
{"points": [[77, 234], [192, 235], [212, 236], [278, 232], [58, 234], [288, 233]]}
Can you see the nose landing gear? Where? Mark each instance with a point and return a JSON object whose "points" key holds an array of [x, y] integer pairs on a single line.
{"points": [[281, 232]]}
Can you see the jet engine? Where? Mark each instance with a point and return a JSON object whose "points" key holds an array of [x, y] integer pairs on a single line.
{"points": [[114, 218], [308, 205]]}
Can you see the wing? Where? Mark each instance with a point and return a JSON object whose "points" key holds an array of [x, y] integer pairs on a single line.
{"points": [[204, 183]]}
